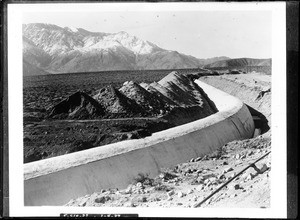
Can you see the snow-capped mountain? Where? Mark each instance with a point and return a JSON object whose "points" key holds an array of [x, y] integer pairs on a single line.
{"points": [[55, 49]]}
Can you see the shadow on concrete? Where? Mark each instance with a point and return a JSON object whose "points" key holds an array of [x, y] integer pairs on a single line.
{"points": [[209, 101], [260, 121]]}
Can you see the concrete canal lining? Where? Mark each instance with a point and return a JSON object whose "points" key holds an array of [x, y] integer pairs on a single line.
{"points": [[56, 180]]}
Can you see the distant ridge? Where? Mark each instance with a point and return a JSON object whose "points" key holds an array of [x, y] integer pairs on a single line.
{"points": [[240, 62]]}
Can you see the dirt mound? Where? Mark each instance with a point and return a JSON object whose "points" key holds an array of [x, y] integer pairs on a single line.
{"points": [[163, 97], [189, 93], [116, 102], [133, 100], [77, 106], [182, 85], [148, 101], [167, 93]]}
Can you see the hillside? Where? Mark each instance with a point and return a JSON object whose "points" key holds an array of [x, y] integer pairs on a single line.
{"points": [[31, 70], [239, 63], [67, 50]]}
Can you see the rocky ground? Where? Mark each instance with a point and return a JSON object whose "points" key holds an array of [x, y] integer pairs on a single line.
{"points": [[188, 184], [53, 138]]}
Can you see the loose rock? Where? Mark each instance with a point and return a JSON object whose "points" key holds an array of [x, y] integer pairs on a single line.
{"points": [[200, 179], [139, 185], [213, 180], [101, 199], [224, 163], [180, 194], [237, 186], [250, 153], [221, 176], [197, 159], [189, 191], [83, 202], [263, 168], [171, 193], [143, 199], [250, 176], [200, 187], [233, 195], [227, 169]]}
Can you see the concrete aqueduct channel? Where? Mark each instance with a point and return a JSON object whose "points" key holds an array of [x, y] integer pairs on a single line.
{"points": [[56, 180]]}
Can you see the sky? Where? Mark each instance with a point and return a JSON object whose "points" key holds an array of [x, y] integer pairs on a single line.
{"points": [[202, 34]]}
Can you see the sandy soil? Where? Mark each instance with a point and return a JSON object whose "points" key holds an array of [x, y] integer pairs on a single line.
{"points": [[188, 184]]}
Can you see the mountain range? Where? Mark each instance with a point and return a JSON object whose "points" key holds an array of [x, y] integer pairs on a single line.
{"points": [[48, 48]]}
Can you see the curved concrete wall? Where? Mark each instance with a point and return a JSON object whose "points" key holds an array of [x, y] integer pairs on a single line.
{"points": [[55, 181]]}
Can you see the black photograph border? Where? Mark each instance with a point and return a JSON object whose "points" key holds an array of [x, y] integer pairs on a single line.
{"points": [[292, 36]]}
